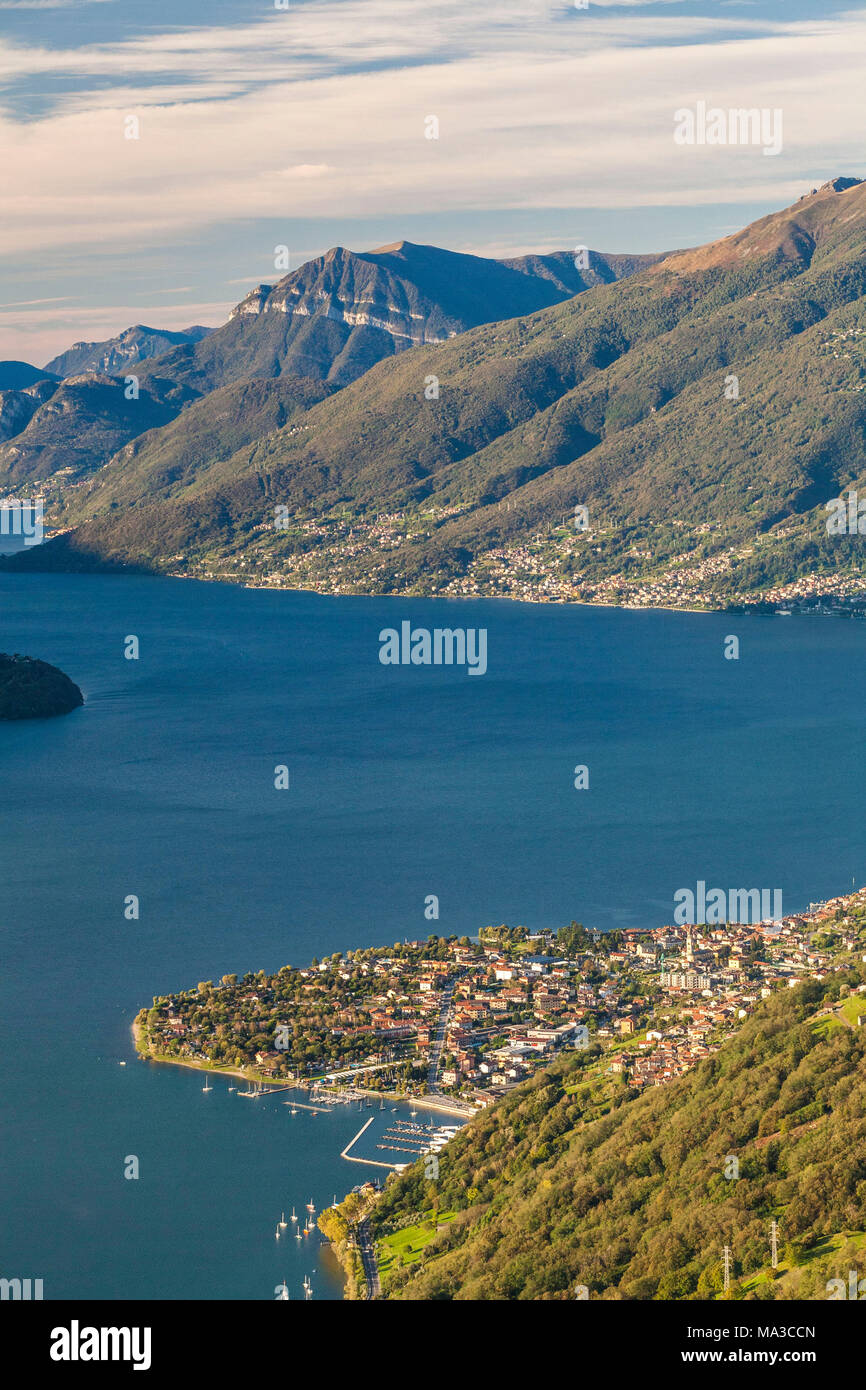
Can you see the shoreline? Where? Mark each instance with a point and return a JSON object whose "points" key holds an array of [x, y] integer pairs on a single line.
{"points": [[441, 1106], [735, 607]]}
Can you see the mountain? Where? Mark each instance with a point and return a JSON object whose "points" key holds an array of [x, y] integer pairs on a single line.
{"points": [[17, 376], [560, 268], [329, 321], [115, 355], [80, 425], [572, 1179], [17, 407], [339, 314], [703, 410]]}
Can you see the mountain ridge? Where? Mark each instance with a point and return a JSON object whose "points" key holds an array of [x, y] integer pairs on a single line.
{"points": [[702, 409]]}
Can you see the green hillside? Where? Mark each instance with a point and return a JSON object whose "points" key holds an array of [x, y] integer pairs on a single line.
{"points": [[161, 462], [571, 1180]]}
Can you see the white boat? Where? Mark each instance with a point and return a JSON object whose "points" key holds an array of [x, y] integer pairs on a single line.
{"points": [[283, 1222], [207, 1087], [297, 1235], [293, 1217], [311, 1206]]}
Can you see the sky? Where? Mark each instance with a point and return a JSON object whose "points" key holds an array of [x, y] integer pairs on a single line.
{"points": [[304, 123]]}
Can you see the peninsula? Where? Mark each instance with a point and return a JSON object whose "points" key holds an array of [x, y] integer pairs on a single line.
{"points": [[468, 1020]]}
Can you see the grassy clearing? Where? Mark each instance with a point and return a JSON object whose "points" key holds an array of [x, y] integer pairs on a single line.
{"points": [[406, 1246], [828, 1247]]}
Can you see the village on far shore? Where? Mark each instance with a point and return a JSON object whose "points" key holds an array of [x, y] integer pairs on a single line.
{"points": [[460, 1022]]}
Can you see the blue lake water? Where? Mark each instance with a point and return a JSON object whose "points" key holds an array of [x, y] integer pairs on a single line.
{"points": [[405, 781]]}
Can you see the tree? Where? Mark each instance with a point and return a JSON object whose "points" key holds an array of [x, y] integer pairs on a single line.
{"points": [[333, 1225]]}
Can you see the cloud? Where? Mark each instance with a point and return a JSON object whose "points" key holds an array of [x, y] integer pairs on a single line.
{"points": [[555, 128], [320, 111]]}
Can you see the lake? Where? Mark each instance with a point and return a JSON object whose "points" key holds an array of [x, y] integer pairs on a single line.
{"points": [[405, 781]]}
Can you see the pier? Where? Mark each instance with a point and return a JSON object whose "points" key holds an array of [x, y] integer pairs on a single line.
{"points": [[377, 1163]]}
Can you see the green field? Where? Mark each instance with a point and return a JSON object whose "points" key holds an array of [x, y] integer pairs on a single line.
{"points": [[405, 1247]]}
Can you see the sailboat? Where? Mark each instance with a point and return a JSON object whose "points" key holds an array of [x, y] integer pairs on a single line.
{"points": [[293, 1110], [294, 1218], [207, 1086], [283, 1295], [297, 1235], [283, 1222], [311, 1206]]}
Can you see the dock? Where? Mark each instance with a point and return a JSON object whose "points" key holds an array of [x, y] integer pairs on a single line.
{"points": [[377, 1163]]}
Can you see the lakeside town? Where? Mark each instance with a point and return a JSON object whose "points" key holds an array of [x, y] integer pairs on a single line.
{"points": [[675, 565], [461, 1022]]}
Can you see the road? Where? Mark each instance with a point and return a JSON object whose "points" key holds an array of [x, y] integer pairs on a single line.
{"points": [[368, 1259], [439, 1037]]}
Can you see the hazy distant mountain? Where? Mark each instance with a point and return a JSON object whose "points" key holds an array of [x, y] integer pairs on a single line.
{"points": [[81, 424], [617, 399], [16, 376], [17, 408], [116, 354], [339, 314], [561, 269]]}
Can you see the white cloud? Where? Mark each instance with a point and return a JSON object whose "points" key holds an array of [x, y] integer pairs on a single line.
{"points": [[538, 109]]}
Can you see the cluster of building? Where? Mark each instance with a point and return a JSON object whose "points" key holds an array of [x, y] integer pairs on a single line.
{"points": [[661, 1002], [711, 978], [472, 1019], [341, 554]]}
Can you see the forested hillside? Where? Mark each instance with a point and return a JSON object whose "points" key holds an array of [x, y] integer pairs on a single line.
{"points": [[635, 1199]]}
